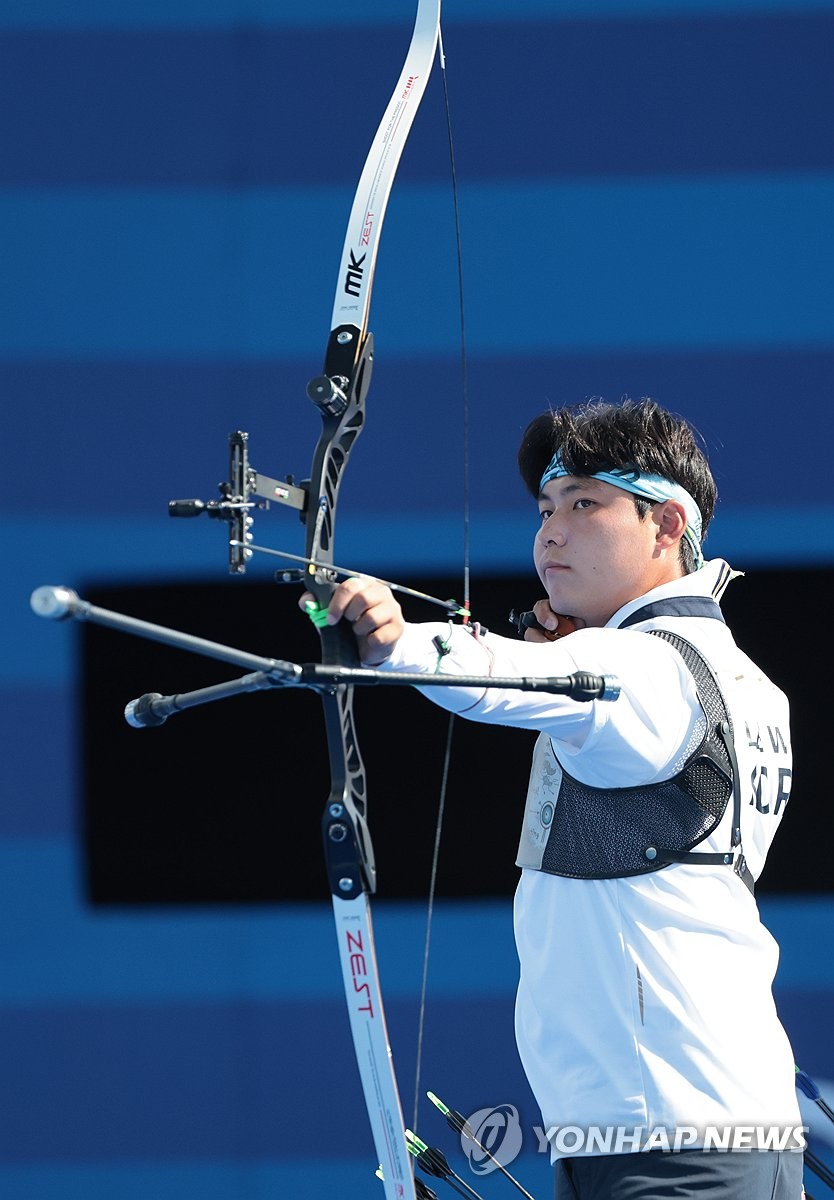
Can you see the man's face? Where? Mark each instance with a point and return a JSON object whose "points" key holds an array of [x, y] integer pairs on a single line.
{"points": [[593, 553]]}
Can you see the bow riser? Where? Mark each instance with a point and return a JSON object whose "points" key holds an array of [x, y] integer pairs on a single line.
{"points": [[348, 851], [342, 406], [347, 846]]}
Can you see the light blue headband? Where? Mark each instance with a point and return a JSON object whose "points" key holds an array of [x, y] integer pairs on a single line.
{"points": [[651, 487]]}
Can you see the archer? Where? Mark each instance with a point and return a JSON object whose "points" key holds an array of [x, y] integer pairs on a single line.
{"points": [[644, 1000]]}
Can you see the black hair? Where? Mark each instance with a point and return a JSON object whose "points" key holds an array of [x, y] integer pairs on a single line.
{"points": [[596, 436]]}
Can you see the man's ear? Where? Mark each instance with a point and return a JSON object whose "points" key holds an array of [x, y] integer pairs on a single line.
{"points": [[670, 518]]}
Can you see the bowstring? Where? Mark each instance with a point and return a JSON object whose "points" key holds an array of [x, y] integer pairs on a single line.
{"points": [[464, 369]]}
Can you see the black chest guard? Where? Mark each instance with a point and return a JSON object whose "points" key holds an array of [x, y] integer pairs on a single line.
{"points": [[611, 833]]}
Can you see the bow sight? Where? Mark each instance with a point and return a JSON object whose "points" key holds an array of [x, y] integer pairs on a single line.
{"points": [[236, 501], [346, 379]]}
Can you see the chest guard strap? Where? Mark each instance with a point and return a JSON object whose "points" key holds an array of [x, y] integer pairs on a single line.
{"points": [[612, 833]]}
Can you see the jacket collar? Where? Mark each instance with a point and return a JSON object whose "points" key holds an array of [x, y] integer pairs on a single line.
{"points": [[695, 595]]}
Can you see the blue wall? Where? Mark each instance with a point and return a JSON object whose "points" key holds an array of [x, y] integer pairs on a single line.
{"points": [[646, 192]]}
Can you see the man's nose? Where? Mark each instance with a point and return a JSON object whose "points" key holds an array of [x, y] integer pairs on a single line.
{"points": [[551, 532]]}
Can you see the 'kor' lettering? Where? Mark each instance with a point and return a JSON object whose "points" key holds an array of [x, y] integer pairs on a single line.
{"points": [[783, 788], [758, 781]]}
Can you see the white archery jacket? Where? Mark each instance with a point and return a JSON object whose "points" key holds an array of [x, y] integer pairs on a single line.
{"points": [[644, 1002]]}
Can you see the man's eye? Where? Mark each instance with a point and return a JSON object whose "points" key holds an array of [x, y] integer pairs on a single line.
{"points": [[544, 513], [584, 502]]}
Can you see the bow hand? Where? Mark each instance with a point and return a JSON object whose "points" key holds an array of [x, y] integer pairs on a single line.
{"points": [[370, 609]]}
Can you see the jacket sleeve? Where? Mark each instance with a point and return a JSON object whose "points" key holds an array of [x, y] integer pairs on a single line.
{"points": [[634, 738]]}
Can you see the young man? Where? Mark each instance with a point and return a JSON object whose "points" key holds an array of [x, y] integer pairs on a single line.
{"points": [[644, 1015]]}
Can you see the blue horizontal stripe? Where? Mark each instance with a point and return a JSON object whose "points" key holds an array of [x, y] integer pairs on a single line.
{"points": [[734, 262], [74, 955], [245, 108], [38, 788], [175, 418], [240, 1179], [169, 273], [237, 1080], [209, 1179], [154, 14]]}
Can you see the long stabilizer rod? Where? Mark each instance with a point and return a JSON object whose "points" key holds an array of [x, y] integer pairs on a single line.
{"points": [[60, 603]]}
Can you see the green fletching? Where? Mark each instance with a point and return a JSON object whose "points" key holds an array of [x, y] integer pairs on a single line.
{"points": [[412, 1139], [438, 1103]]}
